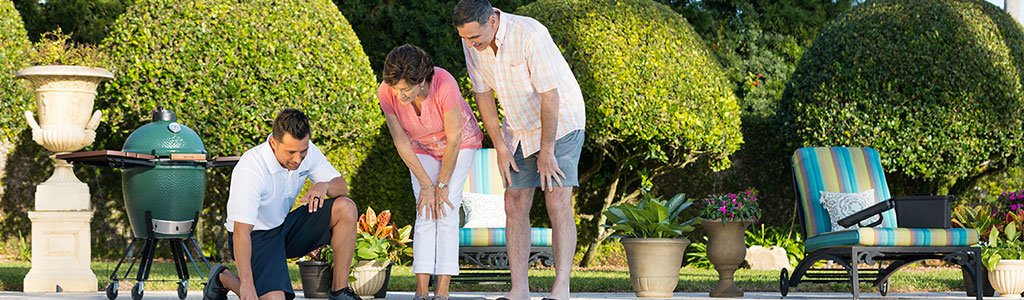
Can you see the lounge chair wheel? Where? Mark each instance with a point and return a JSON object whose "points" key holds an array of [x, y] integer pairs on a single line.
{"points": [[883, 288], [137, 291], [112, 290], [784, 282]]}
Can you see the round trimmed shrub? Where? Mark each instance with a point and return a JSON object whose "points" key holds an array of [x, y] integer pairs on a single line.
{"points": [[14, 46], [227, 69], [656, 99], [934, 85]]}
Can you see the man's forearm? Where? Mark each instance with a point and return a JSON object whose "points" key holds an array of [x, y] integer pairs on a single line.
{"points": [[337, 187], [548, 120], [242, 241], [489, 112]]}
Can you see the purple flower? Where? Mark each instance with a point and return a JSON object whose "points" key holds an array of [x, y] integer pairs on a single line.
{"points": [[734, 201], [748, 193], [732, 215], [732, 196], [738, 206], [722, 209], [754, 199]]}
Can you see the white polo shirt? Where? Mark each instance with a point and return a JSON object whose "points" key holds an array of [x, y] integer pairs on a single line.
{"points": [[263, 192]]}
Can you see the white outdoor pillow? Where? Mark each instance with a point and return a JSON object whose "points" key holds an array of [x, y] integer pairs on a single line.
{"points": [[484, 210], [841, 205]]}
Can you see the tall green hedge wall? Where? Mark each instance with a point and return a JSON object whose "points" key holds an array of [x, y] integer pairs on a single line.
{"points": [[14, 46], [655, 97], [226, 69], [934, 85]]}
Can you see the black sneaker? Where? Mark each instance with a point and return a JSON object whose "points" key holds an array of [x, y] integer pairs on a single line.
{"points": [[214, 290], [343, 294]]}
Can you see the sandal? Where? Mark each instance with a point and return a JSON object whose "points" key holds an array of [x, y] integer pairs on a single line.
{"points": [[419, 297], [439, 298]]}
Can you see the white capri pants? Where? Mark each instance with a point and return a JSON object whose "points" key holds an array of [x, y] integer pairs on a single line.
{"points": [[435, 243]]}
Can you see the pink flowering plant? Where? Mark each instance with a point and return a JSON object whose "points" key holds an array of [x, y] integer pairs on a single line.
{"points": [[732, 206], [1012, 199]]}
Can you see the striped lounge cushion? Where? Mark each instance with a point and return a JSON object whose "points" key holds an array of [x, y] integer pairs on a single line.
{"points": [[540, 237], [839, 170], [893, 237]]}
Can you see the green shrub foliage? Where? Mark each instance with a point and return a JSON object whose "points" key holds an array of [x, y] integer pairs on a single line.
{"points": [[17, 150], [656, 99], [226, 69], [14, 47], [934, 85], [384, 25]]}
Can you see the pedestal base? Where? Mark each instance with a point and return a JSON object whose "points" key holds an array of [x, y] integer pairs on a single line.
{"points": [[62, 196], [60, 253]]}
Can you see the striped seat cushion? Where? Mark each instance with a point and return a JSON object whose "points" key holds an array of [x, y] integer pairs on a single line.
{"points": [[540, 237], [893, 237]]}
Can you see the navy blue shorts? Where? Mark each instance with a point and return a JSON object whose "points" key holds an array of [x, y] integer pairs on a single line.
{"points": [[301, 233]]}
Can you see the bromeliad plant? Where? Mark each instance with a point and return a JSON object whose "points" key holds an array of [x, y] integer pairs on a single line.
{"points": [[732, 207], [649, 218]]}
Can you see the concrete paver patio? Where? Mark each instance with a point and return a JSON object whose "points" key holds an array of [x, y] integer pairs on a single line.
{"points": [[171, 295]]}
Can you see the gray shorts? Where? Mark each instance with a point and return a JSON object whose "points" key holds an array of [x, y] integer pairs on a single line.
{"points": [[567, 154]]}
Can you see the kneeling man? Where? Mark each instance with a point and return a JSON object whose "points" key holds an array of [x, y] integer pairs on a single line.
{"points": [[264, 187]]}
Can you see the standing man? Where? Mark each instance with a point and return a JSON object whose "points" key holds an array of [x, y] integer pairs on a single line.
{"points": [[539, 142], [264, 187]]}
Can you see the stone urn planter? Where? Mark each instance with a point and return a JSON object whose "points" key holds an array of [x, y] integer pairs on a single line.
{"points": [[726, 250], [1007, 278], [60, 221], [370, 277], [654, 264]]}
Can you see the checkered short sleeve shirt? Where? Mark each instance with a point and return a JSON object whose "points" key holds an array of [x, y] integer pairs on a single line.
{"points": [[526, 64]]}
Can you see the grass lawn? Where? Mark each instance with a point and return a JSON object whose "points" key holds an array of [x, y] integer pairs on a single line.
{"points": [[583, 280]]}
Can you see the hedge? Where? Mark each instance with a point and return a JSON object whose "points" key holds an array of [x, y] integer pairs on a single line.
{"points": [[384, 25], [934, 85], [14, 46], [226, 69], [656, 99]]}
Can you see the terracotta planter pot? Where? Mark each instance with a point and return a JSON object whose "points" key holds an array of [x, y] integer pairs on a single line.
{"points": [[370, 277], [654, 264], [726, 251], [1007, 278]]}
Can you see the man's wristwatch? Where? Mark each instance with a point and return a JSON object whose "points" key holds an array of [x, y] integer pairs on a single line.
{"points": [[441, 185]]}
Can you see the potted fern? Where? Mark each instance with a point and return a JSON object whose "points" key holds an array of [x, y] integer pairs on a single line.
{"points": [[652, 235]]}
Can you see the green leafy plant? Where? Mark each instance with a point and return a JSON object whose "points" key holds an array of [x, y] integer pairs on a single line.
{"points": [[731, 207], [1012, 248], [24, 248], [697, 254], [56, 48], [979, 217], [650, 218]]}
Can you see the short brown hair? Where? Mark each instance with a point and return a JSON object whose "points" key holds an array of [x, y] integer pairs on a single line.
{"points": [[293, 122], [410, 63], [469, 11]]}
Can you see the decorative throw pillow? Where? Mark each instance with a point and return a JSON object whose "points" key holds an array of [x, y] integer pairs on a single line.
{"points": [[841, 205], [484, 210]]}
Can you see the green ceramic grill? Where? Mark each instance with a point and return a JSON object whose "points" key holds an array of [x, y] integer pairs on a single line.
{"points": [[171, 190]]}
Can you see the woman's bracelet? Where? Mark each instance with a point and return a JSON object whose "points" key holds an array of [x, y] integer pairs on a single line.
{"points": [[427, 187]]}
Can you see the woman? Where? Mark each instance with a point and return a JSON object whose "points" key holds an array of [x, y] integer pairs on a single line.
{"points": [[436, 134]]}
